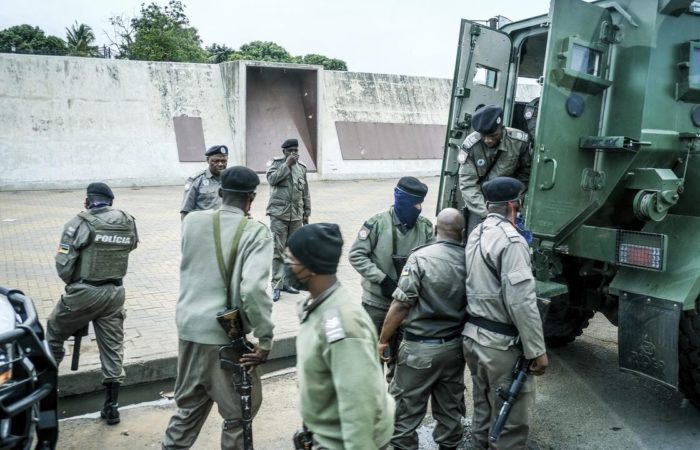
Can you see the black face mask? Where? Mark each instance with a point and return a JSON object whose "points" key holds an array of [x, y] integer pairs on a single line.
{"points": [[291, 280]]}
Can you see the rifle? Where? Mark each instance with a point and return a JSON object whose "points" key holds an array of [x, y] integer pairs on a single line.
{"points": [[520, 373], [303, 439], [230, 321], [77, 338]]}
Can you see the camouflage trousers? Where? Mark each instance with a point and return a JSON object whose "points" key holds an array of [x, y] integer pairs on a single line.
{"points": [[200, 383], [281, 230], [104, 307], [491, 369], [428, 372]]}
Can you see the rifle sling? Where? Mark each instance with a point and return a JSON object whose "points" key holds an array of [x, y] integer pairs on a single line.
{"points": [[227, 271]]}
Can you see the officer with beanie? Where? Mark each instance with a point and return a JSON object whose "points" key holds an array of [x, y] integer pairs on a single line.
{"points": [[383, 245], [431, 303], [225, 264], [504, 322], [92, 259], [289, 207], [202, 188], [343, 400], [491, 151]]}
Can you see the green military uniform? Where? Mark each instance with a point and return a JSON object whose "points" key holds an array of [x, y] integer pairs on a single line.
{"points": [[371, 255], [92, 259], [479, 163], [430, 362], [201, 192], [530, 116], [200, 381], [343, 400], [500, 288], [288, 205]]}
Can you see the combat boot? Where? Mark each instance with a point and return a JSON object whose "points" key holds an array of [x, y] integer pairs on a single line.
{"points": [[110, 412]]}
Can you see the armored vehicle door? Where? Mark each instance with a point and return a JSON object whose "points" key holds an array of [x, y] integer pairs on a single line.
{"points": [[481, 75], [572, 102]]}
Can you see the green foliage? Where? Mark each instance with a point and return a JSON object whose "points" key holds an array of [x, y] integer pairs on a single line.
{"points": [[326, 62], [158, 34], [219, 53], [30, 40], [80, 40]]}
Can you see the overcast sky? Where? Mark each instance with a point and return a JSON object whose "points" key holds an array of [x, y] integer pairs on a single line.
{"points": [[411, 37]]}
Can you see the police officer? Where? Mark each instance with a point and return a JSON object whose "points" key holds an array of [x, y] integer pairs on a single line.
{"points": [[491, 151], [504, 322], [202, 188], [203, 293], [530, 116], [383, 244], [343, 399], [289, 207], [92, 260], [431, 302]]}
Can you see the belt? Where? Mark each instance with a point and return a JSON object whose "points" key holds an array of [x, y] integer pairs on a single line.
{"points": [[116, 282], [491, 325], [410, 337]]}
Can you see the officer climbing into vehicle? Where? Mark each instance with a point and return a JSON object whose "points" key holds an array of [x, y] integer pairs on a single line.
{"points": [[92, 259]]}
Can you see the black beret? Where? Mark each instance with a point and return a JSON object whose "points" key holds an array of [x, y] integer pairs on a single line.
{"points": [[317, 246], [487, 119], [290, 143], [99, 189], [502, 189], [413, 186], [239, 179], [217, 150]]}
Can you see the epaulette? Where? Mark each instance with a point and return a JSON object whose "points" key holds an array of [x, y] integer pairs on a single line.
{"points": [[511, 233], [518, 135], [471, 140], [72, 226], [279, 158], [333, 326], [301, 164]]}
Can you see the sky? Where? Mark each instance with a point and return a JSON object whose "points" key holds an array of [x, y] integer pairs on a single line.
{"points": [[409, 37]]}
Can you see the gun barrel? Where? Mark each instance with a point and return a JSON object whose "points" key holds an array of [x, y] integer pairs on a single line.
{"points": [[497, 427], [75, 359]]}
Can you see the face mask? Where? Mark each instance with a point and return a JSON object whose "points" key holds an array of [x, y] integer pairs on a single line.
{"points": [[290, 279], [404, 207]]}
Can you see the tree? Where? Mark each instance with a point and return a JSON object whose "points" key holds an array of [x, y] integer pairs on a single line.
{"points": [[80, 40], [262, 51], [158, 34], [326, 62], [219, 53], [30, 40]]}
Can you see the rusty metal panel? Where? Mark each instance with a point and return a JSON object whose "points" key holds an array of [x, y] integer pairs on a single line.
{"points": [[372, 140], [190, 138]]}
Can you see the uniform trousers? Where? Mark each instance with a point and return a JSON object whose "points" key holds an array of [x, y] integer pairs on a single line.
{"points": [[200, 383], [281, 230], [104, 307], [426, 372], [490, 369]]}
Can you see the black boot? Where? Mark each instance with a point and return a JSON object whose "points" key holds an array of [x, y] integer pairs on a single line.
{"points": [[110, 412]]}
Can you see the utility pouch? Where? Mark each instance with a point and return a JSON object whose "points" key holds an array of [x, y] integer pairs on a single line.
{"points": [[230, 321]]}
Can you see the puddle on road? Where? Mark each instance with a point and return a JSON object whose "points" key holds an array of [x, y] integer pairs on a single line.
{"points": [[77, 405]]}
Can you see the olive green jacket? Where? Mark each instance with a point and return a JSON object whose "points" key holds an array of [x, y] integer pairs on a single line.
{"points": [[371, 252], [289, 191], [476, 158], [343, 397], [202, 292]]}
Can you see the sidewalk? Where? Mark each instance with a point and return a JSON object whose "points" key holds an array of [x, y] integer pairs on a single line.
{"points": [[31, 223]]}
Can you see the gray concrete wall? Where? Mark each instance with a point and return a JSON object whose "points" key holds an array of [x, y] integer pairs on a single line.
{"points": [[65, 121]]}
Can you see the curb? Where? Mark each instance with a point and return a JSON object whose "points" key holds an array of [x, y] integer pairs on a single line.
{"points": [[139, 372]]}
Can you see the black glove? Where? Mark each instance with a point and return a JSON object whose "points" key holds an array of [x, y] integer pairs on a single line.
{"points": [[388, 286]]}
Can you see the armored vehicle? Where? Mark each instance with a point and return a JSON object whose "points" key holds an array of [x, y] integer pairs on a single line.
{"points": [[613, 198]]}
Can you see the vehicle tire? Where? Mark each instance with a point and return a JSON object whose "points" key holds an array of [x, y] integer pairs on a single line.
{"points": [[689, 356], [564, 324]]}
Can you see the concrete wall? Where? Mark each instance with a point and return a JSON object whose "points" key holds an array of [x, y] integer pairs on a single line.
{"points": [[67, 121]]}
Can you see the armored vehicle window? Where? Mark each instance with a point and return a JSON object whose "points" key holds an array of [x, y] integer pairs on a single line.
{"points": [[485, 76], [695, 66], [585, 60]]}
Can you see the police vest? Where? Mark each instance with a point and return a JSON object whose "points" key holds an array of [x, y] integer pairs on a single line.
{"points": [[106, 257]]}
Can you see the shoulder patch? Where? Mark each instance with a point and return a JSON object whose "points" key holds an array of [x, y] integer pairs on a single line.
{"points": [[516, 134], [471, 140], [463, 155], [333, 326], [364, 232], [64, 248]]}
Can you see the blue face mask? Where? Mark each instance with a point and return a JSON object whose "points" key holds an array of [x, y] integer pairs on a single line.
{"points": [[404, 207], [520, 226]]}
